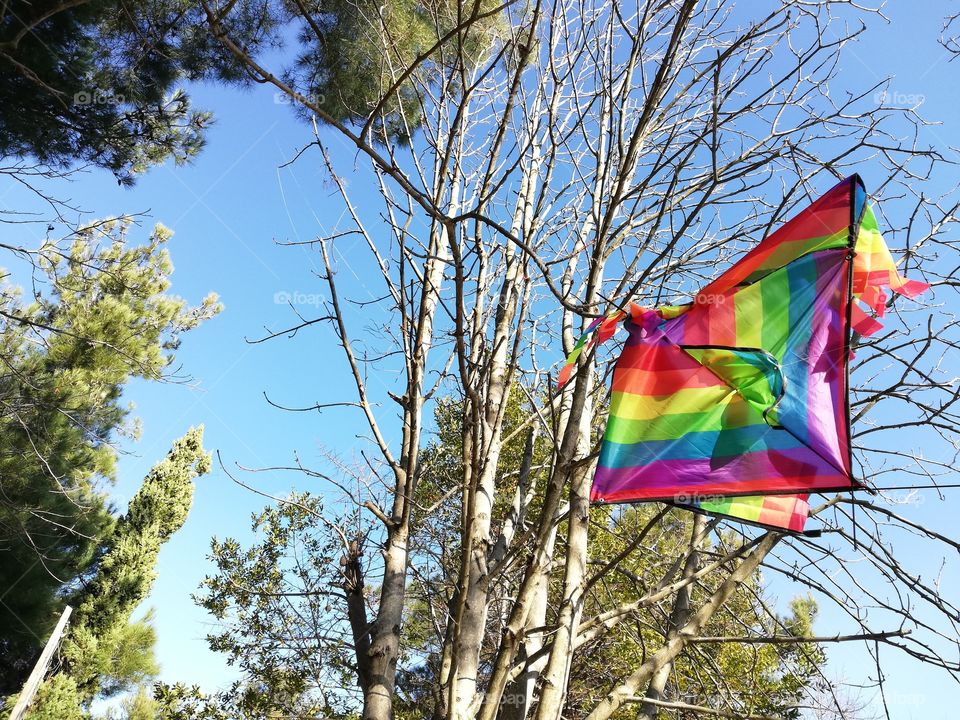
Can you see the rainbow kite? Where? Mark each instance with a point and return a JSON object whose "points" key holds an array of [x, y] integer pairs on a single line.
{"points": [[737, 403]]}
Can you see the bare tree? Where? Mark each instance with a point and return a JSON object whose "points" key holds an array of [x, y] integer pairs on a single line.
{"points": [[599, 153]]}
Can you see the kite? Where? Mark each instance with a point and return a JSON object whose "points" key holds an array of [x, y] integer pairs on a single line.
{"points": [[737, 403]]}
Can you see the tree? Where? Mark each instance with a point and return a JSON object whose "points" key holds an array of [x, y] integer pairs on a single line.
{"points": [[103, 652], [125, 572], [599, 153], [140, 706], [366, 64], [101, 315], [94, 82], [293, 652], [285, 625]]}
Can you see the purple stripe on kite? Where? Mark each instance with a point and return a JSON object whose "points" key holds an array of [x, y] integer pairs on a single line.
{"points": [[824, 396], [773, 472]]}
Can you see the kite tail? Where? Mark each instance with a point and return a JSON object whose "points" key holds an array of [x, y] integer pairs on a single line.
{"points": [[874, 269], [599, 331]]}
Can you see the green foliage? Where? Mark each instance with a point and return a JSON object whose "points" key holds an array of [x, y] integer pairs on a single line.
{"points": [[104, 317], [104, 652], [57, 699], [284, 625], [140, 706], [279, 607], [365, 46], [443, 471], [758, 679], [182, 702], [94, 82], [350, 53], [130, 658]]}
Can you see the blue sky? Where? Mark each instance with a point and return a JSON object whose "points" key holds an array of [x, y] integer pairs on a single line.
{"points": [[229, 209]]}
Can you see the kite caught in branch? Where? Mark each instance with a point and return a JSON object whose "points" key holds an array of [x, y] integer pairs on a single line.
{"points": [[738, 403]]}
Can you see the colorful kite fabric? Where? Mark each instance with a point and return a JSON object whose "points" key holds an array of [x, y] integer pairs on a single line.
{"points": [[737, 404], [789, 512]]}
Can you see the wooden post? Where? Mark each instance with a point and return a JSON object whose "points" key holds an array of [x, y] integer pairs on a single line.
{"points": [[40, 669]]}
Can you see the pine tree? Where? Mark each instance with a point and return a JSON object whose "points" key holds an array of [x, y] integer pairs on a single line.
{"points": [[126, 571], [104, 653], [94, 82], [64, 361]]}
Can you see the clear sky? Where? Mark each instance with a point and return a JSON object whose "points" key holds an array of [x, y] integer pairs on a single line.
{"points": [[227, 211]]}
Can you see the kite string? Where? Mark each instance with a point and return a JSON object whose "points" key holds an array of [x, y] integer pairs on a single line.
{"points": [[915, 487], [853, 517]]}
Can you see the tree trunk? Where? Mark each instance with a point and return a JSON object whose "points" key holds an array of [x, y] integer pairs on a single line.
{"points": [[385, 644], [678, 618]]}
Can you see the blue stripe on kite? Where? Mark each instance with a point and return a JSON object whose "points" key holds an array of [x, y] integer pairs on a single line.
{"points": [[695, 445]]}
